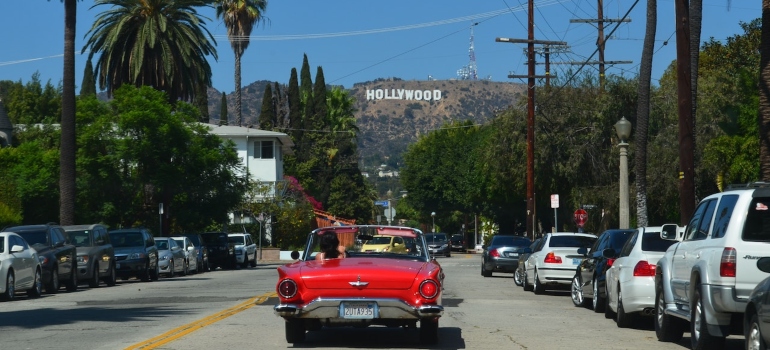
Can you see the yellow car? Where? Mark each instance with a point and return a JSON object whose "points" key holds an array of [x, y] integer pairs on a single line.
{"points": [[381, 243]]}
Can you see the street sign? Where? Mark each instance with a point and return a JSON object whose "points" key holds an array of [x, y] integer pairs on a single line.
{"points": [[390, 213], [580, 216], [381, 203], [554, 201]]}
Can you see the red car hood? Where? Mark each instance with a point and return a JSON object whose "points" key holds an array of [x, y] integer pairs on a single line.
{"points": [[380, 273]]}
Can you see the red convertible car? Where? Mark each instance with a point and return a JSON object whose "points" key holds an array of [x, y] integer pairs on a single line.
{"points": [[395, 288]]}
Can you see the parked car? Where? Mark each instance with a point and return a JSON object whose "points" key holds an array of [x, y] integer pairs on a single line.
{"points": [[518, 275], [95, 254], [502, 254], [203, 251], [755, 319], [438, 244], [383, 243], [172, 258], [707, 276], [458, 242], [190, 253], [631, 279], [397, 288], [245, 249], [135, 254], [221, 251], [553, 262], [20, 268], [57, 255], [591, 273]]}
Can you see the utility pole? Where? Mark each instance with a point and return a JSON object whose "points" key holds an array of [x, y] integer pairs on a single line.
{"points": [[530, 41], [686, 119], [601, 40], [546, 52]]}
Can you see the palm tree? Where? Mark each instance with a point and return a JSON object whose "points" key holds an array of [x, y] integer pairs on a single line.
{"points": [[764, 94], [341, 111], [240, 16], [159, 43], [643, 113], [67, 188]]}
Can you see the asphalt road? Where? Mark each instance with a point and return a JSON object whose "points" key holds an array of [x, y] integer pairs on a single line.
{"points": [[233, 310]]}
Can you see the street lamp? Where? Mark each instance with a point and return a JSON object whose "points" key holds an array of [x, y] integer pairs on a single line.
{"points": [[433, 217], [623, 128]]}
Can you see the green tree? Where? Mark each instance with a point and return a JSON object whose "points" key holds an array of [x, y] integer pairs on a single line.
{"points": [[88, 86], [267, 114], [158, 43], [31, 103], [239, 17], [223, 117], [295, 109], [320, 109]]}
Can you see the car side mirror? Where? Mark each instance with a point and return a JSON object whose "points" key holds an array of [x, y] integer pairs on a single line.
{"points": [[763, 264], [669, 232], [609, 253], [582, 251], [17, 249], [294, 255]]}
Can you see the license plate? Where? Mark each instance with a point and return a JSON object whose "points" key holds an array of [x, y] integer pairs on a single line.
{"points": [[576, 261], [117, 266], [357, 310], [513, 255]]}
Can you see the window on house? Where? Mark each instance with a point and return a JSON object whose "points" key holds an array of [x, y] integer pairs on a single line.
{"points": [[263, 149]]}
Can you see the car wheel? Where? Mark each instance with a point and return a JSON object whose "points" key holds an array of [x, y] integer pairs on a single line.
{"points": [[538, 287], [171, 267], [254, 261], [185, 268], [577, 293], [94, 282], [754, 340], [53, 286], [145, 277], [245, 263], [667, 328], [517, 278], [111, 280], [429, 331], [700, 338], [10, 287], [623, 320], [37, 285], [295, 331], [607, 310], [485, 272], [527, 287], [597, 302], [155, 274], [72, 284]]}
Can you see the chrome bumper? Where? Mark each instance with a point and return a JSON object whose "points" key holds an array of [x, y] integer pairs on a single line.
{"points": [[330, 308]]}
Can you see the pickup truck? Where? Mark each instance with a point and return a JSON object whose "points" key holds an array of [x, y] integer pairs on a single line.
{"points": [[704, 280]]}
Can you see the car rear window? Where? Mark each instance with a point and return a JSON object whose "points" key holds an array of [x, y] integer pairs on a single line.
{"points": [[511, 241], [571, 241], [757, 227], [651, 242]]}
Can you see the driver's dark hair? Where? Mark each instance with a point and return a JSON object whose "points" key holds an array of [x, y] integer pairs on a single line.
{"points": [[329, 243]]}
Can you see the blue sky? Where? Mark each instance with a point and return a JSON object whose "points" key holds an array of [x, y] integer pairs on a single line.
{"points": [[357, 41]]}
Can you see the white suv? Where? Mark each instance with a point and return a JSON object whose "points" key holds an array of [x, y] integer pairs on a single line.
{"points": [[245, 248], [707, 276]]}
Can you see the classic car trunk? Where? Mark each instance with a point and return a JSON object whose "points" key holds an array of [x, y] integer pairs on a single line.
{"points": [[340, 273]]}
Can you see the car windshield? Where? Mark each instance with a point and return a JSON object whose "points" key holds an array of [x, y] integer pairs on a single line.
{"points": [[126, 239], [179, 242], [215, 239], [236, 239], [161, 244], [651, 242], [35, 237], [571, 241], [435, 237], [510, 241], [403, 243], [80, 238]]}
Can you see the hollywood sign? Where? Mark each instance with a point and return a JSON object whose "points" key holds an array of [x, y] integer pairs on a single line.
{"points": [[402, 94]]}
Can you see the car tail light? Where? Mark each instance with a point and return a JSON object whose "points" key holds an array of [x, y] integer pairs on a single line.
{"points": [[551, 258], [610, 261], [494, 253], [428, 289], [727, 266], [644, 269], [287, 288]]}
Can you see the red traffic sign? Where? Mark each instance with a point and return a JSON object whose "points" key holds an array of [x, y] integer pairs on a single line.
{"points": [[580, 216]]}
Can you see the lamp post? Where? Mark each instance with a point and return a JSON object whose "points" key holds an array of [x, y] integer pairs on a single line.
{"points": [[433, 218], [623, 129]]}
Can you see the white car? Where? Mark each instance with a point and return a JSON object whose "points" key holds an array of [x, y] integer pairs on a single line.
{"points": [[554, 260], [245, 248], [19, 267], [190, 252], [631, 279]]}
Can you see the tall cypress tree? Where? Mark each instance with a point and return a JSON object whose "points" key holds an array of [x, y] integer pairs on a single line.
{"points": [[319, 100], [295, 109], [88, 87], [202, 102], [267, 114], [306, 81], [279, 107], [223, 110]]}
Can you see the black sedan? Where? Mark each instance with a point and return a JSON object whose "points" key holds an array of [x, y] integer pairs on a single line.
{"points": [[502, 254], [756, 319]]}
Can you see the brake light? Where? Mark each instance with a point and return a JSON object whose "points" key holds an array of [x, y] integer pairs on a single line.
{"points": [[644, 269], [287, 288], [551, 258], [428, 289], [610, 262], [727, 265], [494, 253]]}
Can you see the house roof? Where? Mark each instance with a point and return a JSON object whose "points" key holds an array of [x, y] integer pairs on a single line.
{"points": [[240, 131], [5, 121]]}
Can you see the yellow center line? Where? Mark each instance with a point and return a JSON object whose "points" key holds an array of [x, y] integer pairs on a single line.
{"points": [[180, 332]]}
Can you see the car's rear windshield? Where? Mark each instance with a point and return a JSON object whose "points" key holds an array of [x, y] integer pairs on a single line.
{"points": [[34, 237], [80, 238], [757, 227], [126, 239], [571, 241], [510, 241], [214, 239], [651, 242]]}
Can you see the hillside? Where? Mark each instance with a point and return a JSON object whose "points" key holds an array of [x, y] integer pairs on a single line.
{"points": [[393, 113]]}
